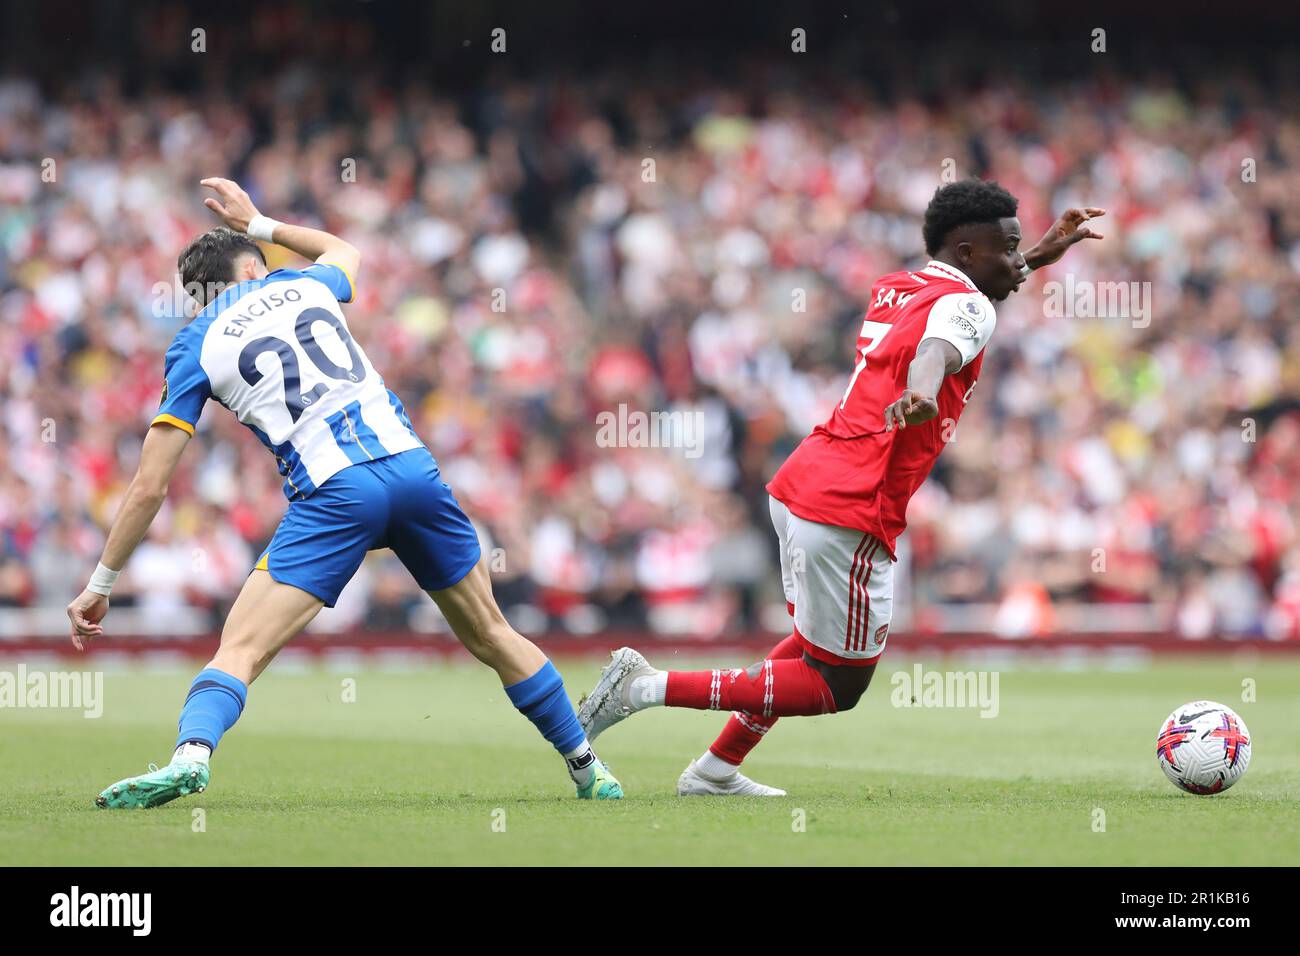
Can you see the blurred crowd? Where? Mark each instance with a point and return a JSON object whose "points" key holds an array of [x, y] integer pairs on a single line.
{"points": [[538, 254]]}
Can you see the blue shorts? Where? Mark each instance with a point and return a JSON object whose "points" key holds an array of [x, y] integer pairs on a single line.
{"points": [[398, 502]]}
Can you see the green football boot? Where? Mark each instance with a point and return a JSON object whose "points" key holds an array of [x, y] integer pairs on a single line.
{"points": [[157, 787], [603, 785]]}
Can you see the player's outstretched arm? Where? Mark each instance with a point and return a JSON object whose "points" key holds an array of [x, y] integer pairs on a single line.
{"points": [[144, 496], [1064, 233], [238, 212], [934, 359]]}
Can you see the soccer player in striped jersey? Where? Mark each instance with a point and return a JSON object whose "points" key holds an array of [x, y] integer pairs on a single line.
{"points": [[839, 502], [275, 349]]}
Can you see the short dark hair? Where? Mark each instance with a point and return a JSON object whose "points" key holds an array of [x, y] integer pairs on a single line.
{"points": [[961, 203], [208, 262]]}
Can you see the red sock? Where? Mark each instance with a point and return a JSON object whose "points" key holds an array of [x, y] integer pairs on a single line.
{"points": [[744, 731], [785, 688]]}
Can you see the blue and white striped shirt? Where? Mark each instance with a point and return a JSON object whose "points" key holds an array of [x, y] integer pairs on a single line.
{"points": [[278, 353]]}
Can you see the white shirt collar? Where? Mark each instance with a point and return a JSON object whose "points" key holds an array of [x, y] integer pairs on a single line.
{"points": [[936, 268]]}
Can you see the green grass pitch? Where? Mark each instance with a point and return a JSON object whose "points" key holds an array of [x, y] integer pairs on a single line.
{"points": [[431, 765]]}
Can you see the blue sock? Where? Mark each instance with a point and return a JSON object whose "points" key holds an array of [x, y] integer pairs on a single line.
{"points": [[542, 700], [214, 704]]}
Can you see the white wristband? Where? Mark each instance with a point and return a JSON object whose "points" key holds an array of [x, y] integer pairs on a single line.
{"points": [[261, 227], [102, 581]]}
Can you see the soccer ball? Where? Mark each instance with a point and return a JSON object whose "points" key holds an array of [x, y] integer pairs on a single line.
{"points": [[1203, 747]]}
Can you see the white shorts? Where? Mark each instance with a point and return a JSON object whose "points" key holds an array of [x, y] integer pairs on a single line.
{"points": [[840, 585]]}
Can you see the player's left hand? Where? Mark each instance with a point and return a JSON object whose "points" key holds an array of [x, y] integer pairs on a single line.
{"points": [[1064, 233], [85, 613], [232, 203]]}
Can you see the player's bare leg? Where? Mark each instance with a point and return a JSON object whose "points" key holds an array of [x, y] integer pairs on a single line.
{"points": [[478, 623], [531, 682], [265, 617]]}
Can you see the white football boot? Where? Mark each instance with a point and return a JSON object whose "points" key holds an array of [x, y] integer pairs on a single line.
{"points": [[611, 699], [692, 783]]}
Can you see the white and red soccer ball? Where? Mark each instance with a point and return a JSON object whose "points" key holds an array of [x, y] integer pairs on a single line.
{"points": [[1203, 747]]}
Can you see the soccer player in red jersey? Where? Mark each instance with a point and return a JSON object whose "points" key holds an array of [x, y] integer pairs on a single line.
{"points": [[839, 502]]}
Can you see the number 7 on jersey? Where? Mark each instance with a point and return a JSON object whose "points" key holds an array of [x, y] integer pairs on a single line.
{"points": [[876, 331]]}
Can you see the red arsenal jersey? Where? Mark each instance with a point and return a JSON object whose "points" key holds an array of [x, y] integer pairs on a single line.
{"points": [[851, 472]]}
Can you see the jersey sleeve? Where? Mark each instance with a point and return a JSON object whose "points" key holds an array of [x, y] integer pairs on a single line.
{"points": [[185, 388], [965, 320], [335, 278]]}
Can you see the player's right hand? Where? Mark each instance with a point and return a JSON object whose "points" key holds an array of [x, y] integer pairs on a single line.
{"points": [[232, 203], [911, 408], [85, 613]]}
